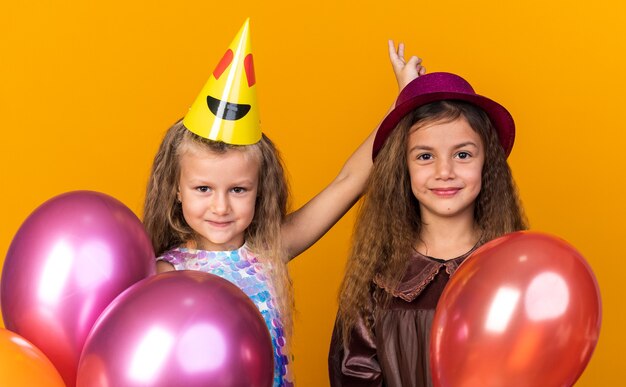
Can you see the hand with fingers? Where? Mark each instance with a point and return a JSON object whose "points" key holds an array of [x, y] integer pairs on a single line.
{"points": [[405, 71]]}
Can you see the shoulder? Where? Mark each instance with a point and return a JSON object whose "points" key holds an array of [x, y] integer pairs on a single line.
{"points": [[246, 253], [419, 272], [168, 261], [173, 256], [163, 266]]}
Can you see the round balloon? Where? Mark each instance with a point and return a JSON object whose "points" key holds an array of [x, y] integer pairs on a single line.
{"points": [[70, 258], [522, 310], [179, 328], [22, 364]]}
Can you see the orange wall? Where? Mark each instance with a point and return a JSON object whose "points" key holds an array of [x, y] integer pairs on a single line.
{"points": [[87, 89]]}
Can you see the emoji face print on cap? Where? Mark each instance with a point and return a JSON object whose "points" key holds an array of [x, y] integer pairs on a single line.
{"points": [[226, 109]]}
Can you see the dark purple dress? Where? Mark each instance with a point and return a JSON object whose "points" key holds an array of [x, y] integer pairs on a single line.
{"points": [[395, 353]]}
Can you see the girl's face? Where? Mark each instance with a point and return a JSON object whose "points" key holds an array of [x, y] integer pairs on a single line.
{"points": [[445, 160], [218, 194]]}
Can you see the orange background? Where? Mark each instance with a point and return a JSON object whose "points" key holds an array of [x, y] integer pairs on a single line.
{"points": [[88, 88]]}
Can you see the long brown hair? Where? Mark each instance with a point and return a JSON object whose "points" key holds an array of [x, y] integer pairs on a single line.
{"points": [[389, 220], [164, 221]]}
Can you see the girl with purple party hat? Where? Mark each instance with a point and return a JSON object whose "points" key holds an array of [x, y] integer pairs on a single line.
{"points": [[217, 198], [440, 187]]}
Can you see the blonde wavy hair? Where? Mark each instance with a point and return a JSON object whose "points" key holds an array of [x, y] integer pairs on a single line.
{"points": [[163, 216], [388, 224]]}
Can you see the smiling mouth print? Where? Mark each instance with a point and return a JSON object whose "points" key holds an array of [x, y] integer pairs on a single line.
{"points": [[226, 110]]}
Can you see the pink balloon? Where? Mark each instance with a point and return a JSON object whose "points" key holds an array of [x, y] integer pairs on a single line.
{"points": [[522, 310], [70, 258], [181, 328]]}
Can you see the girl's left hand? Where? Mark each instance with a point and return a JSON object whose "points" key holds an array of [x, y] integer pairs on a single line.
{"points": [[405, 71]]}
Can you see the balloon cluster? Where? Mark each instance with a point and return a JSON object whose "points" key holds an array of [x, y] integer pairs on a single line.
{"points": [[83, 307], [79, 298], [522, 310]]}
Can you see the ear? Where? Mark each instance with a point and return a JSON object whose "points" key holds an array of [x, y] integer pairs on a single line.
{"points": [[178, 196]]}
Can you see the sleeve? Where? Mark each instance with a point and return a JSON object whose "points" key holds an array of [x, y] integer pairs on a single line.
{"points": [[172, 258], [355, 364]]}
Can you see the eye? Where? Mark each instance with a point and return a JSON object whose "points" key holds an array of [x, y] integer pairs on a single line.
{"points": [[463, 155], [203, 188], [239, 190], [425, 157]]}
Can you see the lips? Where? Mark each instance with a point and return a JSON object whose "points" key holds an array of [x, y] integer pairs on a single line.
{"points": [[218, 224], [445, 192]]}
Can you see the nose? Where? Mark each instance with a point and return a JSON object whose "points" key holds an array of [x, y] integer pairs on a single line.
{"points": [[445, 169], [219, 204]]}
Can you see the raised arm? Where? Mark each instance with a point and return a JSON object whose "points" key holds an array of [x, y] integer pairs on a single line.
{"points": [[308, 224]]}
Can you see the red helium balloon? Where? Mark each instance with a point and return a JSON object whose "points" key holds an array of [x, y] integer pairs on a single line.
{"points": [[522, 310], [179, 328], [70, 258]]}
